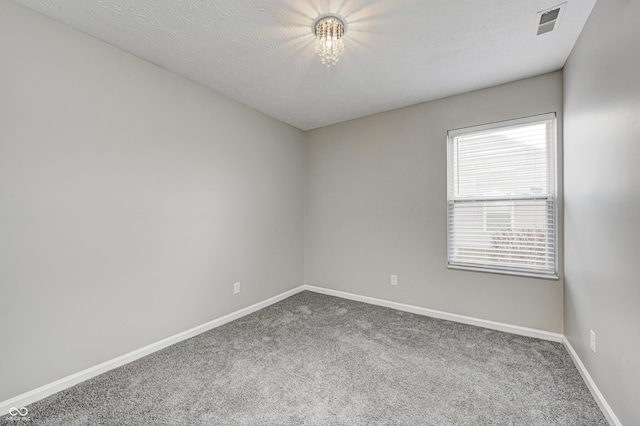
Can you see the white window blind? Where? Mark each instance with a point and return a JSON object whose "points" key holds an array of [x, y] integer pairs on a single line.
{"points": [[502, 197]]}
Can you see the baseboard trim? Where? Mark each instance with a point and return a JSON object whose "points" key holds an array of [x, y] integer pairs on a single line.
{"points": [[508, 328], [597, 395], [66, 382]]}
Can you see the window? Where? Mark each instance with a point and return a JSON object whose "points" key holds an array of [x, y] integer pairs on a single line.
{"points": [[502, 197]]}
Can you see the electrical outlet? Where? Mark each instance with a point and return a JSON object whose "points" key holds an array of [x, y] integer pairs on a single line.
{"points": [[592, 340], [236, 288], [394, 280]]}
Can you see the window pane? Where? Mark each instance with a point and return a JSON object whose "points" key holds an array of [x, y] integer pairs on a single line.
{"points": [[511, 161], [508, 234]]}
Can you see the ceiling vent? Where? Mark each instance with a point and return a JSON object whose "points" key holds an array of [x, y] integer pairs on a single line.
{"points": [[549, 19]]}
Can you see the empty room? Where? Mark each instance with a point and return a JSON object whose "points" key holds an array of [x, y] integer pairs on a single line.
{"points": [[319, 212]]}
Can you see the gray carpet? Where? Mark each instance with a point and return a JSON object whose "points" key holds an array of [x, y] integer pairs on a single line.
{"points": [[319, 360]]}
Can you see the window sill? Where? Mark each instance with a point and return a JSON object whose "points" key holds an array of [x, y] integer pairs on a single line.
{"points": [[550, 277]]}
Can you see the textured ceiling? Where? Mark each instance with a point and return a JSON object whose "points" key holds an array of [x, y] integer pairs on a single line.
{"points": [[397, 53]]}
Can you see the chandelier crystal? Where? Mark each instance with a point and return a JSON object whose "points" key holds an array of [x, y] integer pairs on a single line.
{"points": [[329, 30]]}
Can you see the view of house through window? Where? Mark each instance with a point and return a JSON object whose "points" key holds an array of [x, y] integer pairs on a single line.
{"points": [[502, 197]]}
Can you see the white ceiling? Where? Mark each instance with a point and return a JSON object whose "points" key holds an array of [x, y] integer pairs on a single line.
{"points": [[397, 53]]}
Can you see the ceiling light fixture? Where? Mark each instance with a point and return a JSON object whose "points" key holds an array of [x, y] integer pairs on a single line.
{"points": [[329, 30]]}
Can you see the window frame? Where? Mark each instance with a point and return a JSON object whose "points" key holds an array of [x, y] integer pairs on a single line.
{"points": [[552, 236]]}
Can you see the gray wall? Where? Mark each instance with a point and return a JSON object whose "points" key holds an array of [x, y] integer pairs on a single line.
{"points": [[602, 202], [132, 199], [376, 205]]}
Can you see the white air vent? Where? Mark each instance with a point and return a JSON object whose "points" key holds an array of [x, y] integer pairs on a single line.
{"points": [[549, 19]]}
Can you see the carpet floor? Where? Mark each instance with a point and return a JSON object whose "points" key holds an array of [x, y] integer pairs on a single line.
{"points": [[313, 359]]}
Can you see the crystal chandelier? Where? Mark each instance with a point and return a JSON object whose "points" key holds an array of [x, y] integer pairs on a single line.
{"points": [[329, 30]]}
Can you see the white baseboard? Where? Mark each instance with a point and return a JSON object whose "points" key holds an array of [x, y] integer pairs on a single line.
{"points": [[66, 382], [597, 395], [508, 328]]}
